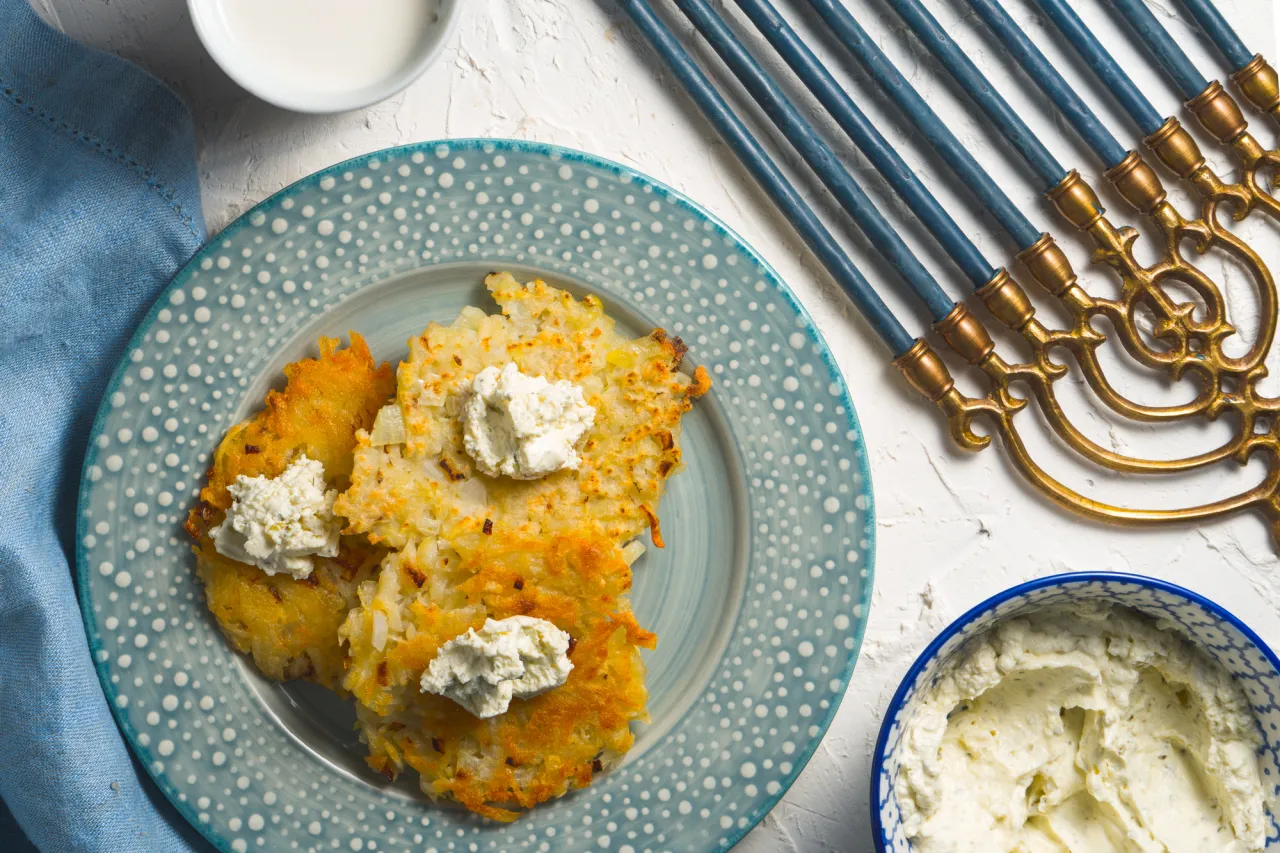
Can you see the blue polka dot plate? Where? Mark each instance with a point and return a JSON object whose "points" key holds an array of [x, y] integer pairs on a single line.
{"points": [[759, 600], [1227, 640]]}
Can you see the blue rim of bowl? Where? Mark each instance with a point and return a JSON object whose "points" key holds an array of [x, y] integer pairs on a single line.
{"points": [[931, 651], [84, 577]]}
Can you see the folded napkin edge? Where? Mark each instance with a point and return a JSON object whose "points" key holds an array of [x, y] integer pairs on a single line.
{"points": [[47, 76]]}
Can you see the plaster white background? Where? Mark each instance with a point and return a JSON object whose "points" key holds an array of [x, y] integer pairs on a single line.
{"points": [[953, 528]]}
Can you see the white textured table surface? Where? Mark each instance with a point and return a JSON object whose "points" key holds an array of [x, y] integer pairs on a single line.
{"points": [[953, 528]]}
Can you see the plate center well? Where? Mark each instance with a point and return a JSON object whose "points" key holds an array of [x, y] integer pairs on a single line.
{"points": [[689, 593]]}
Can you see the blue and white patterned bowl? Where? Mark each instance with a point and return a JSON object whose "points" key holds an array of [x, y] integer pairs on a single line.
{"points": [[759, 601], [1223, 636]]}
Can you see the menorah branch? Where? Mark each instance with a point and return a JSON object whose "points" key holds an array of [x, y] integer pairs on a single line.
{"points": [[1260, 85]]}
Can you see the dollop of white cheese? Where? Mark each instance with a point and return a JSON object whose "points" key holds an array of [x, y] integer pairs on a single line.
{"points": [[1082, 728], [521, 426], [278, 524], [514, 658]]}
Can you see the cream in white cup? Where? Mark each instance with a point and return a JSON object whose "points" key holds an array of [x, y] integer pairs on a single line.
{"points": [[324, 56]]}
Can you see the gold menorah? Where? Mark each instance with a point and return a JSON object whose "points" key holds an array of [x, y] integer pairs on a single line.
{"points": [[1193, 335], [1188, 340]]}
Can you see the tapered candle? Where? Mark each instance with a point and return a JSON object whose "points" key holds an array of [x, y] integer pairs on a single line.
{"points": [[1008, 122], [1101, 62], [820, 157], [950, 150], [771, 180], [1168, 55], [1215, 25], [1041, 71], [869, 140]]}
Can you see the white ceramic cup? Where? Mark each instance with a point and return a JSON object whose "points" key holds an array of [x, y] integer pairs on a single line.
{"points": [[272, 58]]}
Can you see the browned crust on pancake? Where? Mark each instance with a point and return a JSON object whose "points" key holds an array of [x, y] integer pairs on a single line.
{"points": [[289, 626]]}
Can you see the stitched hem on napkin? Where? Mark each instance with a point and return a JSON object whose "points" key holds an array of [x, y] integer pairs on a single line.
{"points": [[41, 67]]}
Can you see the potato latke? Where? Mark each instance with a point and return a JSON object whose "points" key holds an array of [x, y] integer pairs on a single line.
{"points": [[457, 547], [540, 748], [290, 626], [425, 485]]}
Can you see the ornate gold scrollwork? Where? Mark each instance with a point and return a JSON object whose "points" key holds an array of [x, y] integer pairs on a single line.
{"points": [[927, 373], [1187, 341], [1220, 115], [1006, 300], [1188, 336]]}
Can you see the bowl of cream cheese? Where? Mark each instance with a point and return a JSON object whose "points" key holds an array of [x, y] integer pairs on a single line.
{"points": [[1086, 713]]}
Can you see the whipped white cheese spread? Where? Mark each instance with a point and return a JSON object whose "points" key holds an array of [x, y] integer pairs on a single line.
{"points": [[514, 658], [1082, 728], [521, 426], [278, 524]]}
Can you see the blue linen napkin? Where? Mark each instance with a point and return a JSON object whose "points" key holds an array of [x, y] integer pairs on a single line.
{"points": [[99, 205]]}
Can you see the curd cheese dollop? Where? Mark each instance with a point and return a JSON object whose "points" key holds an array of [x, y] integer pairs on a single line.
{"points": [[513, 658], [522, 426], [1083, 728], [279, 523]]}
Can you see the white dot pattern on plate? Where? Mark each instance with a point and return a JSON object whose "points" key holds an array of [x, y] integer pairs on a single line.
{"points": [[1224, 641], [172, 678]]}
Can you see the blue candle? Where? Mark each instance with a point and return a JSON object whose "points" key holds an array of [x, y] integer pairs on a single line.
{"points": [[771, 180], [1055, 87], [869, 140], [1103, 64], [1220, 32], [1163, 48], [1014, 129], [820, 157], [952, 152]]}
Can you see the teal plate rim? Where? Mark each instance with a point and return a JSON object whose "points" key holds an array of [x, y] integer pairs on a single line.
{"points": [[86, 578]]}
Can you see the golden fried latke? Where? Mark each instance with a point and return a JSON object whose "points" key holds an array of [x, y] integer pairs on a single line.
{"points": [[422, 484], [427, 595], [290, 626]]}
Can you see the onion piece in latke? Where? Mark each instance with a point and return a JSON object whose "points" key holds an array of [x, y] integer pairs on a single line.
{"points": [[290, 626], [541, 747], [428, 486]]}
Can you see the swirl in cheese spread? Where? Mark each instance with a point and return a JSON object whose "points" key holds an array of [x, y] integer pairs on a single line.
{"points": [[1083, 728]]}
